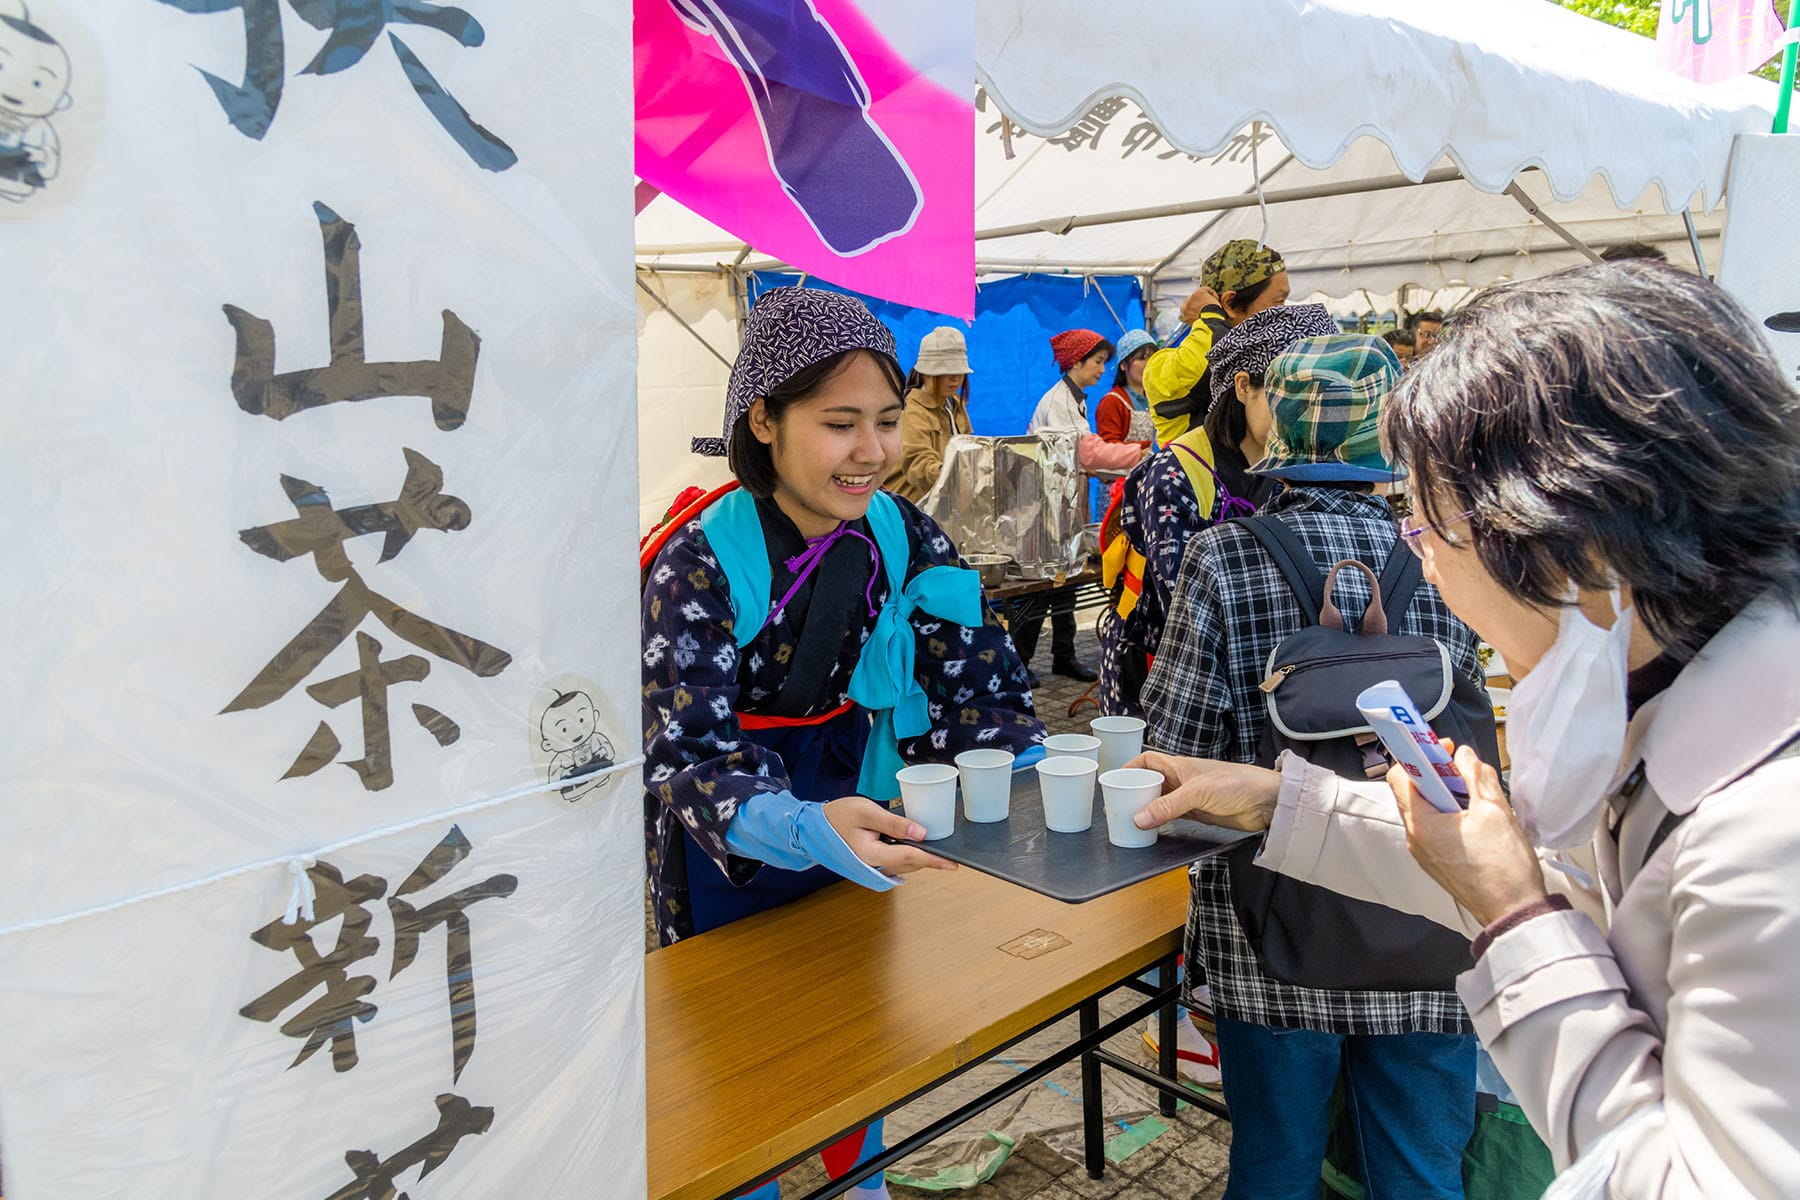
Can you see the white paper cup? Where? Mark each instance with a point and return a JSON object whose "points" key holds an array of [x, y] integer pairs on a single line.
{"points": [[928, 795], [1121, 740], [1126, 791], [1073, 745], [986, 784], [1067, 785]]}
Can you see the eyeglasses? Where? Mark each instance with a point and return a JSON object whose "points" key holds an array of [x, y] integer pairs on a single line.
{"points": [[1412, 534]]}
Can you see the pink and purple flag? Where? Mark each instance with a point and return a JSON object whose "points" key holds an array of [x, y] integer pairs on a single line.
{"points": [[1710, 41], [829, 134]]}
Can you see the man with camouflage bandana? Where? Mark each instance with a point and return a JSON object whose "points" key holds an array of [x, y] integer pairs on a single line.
{"points": [[1239, 279]]}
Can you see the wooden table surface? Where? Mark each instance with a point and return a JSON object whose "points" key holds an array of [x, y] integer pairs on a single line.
{"points": [[775, 1033]]}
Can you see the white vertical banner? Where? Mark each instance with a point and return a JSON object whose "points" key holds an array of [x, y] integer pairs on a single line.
{"points": [[321, 832], [1760, 261]]}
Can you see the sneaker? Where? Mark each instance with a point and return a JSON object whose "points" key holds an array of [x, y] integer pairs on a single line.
{"points": [[1196, 1059]]}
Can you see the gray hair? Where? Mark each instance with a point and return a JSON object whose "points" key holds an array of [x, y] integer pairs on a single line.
{"points": [[1623, 420]]}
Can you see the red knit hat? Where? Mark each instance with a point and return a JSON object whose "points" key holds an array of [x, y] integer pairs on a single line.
{"points": [[1072, 345]]}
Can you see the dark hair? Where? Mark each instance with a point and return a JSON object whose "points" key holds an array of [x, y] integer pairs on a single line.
{"points": [[916, 382], [1632, 250], [1243, 298], [1100, 347], [1419, 318], [1226, 422], [1621, 419], [563, 698], [1400, 337], [750, 459], [1147, 349]]}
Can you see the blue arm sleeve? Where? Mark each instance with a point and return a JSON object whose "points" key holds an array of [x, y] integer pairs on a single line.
{"points": [[1029, 757], [784, 831]]}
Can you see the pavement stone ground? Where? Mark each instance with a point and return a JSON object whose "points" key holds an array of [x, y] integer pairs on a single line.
{"points": [[1187, 1161]]}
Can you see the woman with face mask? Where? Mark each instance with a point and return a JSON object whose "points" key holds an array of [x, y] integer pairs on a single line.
{"points": [[1606, 463]]}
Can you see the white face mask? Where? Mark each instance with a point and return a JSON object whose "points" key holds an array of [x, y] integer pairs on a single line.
{"points": [[1566, 730]]}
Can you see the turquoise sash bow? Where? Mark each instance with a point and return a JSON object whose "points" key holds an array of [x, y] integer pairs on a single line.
{"points": [[885, 680]]}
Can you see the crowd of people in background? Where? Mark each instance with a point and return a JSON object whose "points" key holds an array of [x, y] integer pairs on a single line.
{"points": [[1597, 471]]}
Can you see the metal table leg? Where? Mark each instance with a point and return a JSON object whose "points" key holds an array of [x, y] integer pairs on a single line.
{"points": [[1093, 1136], [1166, 1062]]}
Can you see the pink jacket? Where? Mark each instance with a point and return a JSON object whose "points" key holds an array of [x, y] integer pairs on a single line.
{"points": [[1059, 410], [1673, 997]]}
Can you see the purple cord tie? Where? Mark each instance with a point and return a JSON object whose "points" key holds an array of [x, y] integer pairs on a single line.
{"points": [[808, 560]]}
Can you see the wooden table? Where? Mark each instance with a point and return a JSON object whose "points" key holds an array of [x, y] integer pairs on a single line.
{"points": [[778, 1034]]}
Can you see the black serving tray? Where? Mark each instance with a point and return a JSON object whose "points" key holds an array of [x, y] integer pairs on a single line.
{"points": [[1072, 867]]}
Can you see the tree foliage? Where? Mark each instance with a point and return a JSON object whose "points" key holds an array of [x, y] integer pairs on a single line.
{"points": [[1640, 16]]}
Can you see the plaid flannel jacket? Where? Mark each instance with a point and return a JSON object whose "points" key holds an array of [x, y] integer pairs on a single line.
{"points": [[1229, 610]]}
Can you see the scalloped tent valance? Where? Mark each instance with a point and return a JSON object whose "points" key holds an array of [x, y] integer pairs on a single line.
{"points": [[1131, 135], [1496, 86]]}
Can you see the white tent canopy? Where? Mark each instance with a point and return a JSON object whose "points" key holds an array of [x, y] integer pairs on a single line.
{"points": [[1347, 105]]}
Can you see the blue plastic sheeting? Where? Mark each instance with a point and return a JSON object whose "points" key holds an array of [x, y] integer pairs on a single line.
{"points": [[1009, 343]]}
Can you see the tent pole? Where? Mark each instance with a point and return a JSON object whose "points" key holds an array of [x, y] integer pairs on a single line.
{"points": [[1199, 233], [682, 268], [1784, 101], [664, 305], [1687, 218], [1529, 205], [1318, 192]]}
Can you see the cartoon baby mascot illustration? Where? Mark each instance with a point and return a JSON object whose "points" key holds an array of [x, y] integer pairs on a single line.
{"points": [[575, 744], [34, 85]]}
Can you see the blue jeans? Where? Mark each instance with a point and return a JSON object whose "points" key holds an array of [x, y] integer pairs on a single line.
{"points": [[1412, 1096]]}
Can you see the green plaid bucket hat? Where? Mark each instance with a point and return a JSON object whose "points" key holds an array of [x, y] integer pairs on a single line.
{"points": [[1325, 396]]}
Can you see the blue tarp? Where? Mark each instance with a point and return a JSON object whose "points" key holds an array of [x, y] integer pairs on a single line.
{"points": [[1009, 341]]}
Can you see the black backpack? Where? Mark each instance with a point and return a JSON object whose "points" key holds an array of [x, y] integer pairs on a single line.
{"points": [[1309, 935]]}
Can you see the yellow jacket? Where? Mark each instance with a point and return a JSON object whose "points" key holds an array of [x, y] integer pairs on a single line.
{"points": [[1173, 373]]}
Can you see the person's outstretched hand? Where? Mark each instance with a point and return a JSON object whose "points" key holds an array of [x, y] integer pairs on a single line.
{"points": [[861, 823], [1481, 856], [1227, 794]]}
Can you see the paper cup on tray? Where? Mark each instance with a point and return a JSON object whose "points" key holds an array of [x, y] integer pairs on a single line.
{"points": [[986, 784], [928, 796], [1066, 784], [1121, 740], [1073, 745], [1127, 791]]}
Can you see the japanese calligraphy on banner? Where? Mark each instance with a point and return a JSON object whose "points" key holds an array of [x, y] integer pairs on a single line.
{"points": [[323, 842], [1758, 264]]}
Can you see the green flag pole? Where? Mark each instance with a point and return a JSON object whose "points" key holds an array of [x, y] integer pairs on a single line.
{"points": [[1784, 101]]}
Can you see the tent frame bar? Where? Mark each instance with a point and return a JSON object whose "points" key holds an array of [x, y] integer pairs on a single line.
{"points": [[1324, 191], [1531, 206], [1687, 219], [1261, 182]]}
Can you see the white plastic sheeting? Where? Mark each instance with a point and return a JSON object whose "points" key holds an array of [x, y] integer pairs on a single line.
{"points": [[1762, 249], [318, 461], [681, 385]]}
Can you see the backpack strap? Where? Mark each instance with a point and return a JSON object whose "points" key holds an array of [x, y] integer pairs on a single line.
{"points": [[1292, 559], [1400, 578]]}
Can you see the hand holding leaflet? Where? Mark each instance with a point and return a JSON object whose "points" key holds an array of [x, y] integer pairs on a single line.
{"points": [[1396, 720]]}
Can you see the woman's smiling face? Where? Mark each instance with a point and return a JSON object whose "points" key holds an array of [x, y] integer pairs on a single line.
{"points": [[832, 449]]}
